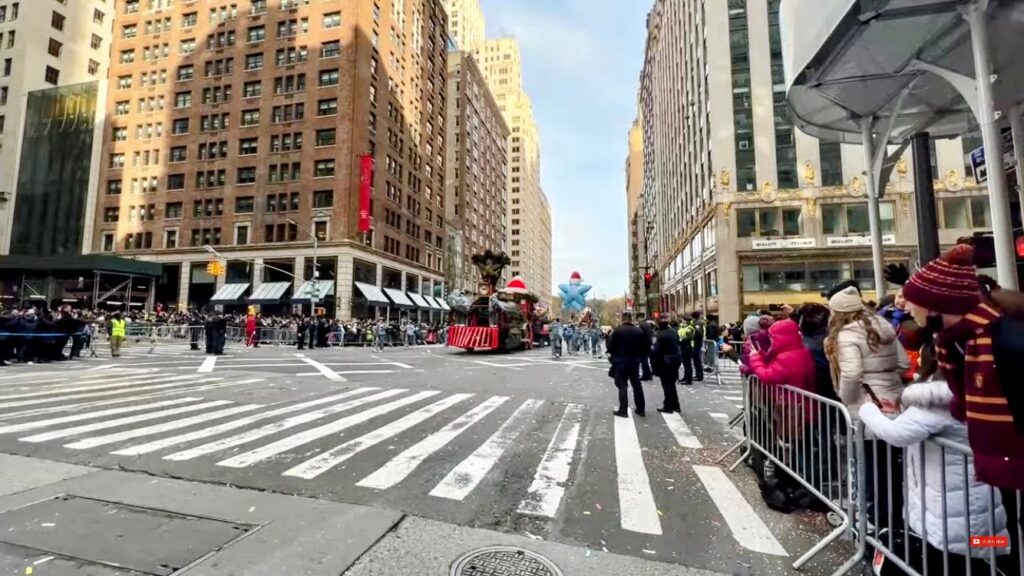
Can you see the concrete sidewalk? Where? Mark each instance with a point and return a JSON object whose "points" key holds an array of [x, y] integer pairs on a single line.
{"points": [[63, 520]]}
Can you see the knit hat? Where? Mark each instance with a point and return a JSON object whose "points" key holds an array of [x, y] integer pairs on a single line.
{"points": [[750, 325], [947, 285], [846, 300]]}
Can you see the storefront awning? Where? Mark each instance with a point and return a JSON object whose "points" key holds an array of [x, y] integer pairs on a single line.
{"points": [[444, 305], [433, 302], [322, 288], [269, 293], [229, 293], [399, 298], [372, 294], [419, 301]]}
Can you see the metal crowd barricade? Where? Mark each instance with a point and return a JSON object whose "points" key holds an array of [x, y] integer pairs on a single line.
{"points": [[709, 356], [810, 439], [909, 542]]}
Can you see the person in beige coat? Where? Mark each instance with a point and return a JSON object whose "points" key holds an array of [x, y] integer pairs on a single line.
{"points": [[867, 359]]}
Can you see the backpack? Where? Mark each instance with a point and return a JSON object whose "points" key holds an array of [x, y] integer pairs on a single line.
{"points": [[1008, 347]]}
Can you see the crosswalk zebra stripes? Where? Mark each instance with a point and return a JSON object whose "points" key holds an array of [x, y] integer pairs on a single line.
{"points": [[421, 434]]}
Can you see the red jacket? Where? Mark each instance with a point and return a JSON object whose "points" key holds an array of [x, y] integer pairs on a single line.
{"points": [[966, 356], [250, 325], [787, 362]]}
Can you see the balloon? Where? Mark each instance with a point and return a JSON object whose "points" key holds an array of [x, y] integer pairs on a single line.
{"points": [[574, 294]]}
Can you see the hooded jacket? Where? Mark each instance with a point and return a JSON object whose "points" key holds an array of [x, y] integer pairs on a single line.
{"points": [[860, 367], [926, 414], [787, 363]]}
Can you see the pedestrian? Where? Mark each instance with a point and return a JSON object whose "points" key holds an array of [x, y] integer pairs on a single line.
{"points": [[628, 346], [646, 374], [382, 336], [250, 330], [300, 332], [117, 331], [666, 358], [684, 333], [595, 340], [938, 482], [699, 331], [555, 335], [570, 337]]}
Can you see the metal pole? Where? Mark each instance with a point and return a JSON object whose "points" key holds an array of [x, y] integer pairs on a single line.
{"points": [[924, 199], [874, 214], [316, 282], [1017, 130], [1002, 227]]}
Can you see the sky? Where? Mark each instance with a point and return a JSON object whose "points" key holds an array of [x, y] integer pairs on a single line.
{"points": [[581, 68]]}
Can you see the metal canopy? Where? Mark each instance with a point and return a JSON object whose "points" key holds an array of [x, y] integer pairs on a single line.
{"points": [[433, 302], [229, 293], [851, 59], [419, 301], [372, 294], [269, 293], [324, 288], [444, 305], [399, 298]]}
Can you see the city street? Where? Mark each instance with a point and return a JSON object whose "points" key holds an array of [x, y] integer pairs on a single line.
{"points": [[514, 443]]}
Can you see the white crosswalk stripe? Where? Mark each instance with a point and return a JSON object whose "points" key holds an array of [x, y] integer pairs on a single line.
{"points": [[35, 424], [65, 432], [638, 510], [160, 428], [102, 384], [548, 487], [50, 399]]}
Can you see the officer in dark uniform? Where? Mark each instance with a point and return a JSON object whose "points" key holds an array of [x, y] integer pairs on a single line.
{"points": [[628, 346]]}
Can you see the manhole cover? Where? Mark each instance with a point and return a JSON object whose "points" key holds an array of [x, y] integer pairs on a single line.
{"points": [[504, 561]]}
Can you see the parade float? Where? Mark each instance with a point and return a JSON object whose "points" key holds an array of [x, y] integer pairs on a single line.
{"points": [[493, 319]]}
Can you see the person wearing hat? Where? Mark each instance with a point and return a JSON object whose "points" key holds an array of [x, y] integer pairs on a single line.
{"points": [[665, 360], [945, 297]]}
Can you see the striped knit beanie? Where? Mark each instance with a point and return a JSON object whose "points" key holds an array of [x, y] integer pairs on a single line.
{"points": [[948, 285]]}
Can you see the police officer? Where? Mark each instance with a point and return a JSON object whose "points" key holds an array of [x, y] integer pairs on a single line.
{"points": [[627, 345], [117, 334], [685, 332], [699, 333]]}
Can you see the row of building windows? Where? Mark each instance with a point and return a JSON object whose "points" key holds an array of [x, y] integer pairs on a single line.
{"points": [[276, 173]]}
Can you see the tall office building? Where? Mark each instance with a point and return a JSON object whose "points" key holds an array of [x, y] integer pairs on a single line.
{"points": [[635, 215], [529, 214], [246, 127], [477, 166], [466, 24], [53, 58], [743, 210]]}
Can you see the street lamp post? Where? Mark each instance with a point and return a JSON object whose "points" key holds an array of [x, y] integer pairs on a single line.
{"points": [[315, 290]]}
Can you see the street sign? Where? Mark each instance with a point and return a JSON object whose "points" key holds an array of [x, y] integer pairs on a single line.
{"points": [[978, 158]]}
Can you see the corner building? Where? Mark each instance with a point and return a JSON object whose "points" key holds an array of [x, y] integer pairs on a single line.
{"points": [[477, 165], [240, 125], [742, 210]]}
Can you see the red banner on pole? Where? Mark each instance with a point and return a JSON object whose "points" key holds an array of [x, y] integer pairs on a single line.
{"points": [[365, 180]]}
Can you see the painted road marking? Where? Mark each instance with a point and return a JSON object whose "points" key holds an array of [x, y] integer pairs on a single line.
{"points": [[324, 462], [36, 424], [103, 393], [548, 487], [234, 424], [262, 453], [327, 372], [275, 427], [747, 527], [399, 467], [718, 415], [88, 385], [160, 428], [208, 364], [65, 432], [470, 472], [681, 431], [637, 510]]}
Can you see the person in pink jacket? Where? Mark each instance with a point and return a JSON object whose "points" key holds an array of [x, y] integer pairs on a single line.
{"points": [[786, 362]]}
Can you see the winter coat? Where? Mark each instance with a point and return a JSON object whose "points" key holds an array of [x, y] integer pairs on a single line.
{"points": [[859, 366], [926, 414], [787, 363], [667, 355], [822, 370]]}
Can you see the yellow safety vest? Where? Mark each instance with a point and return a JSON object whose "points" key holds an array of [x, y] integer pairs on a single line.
{"points": [[117, 328]]}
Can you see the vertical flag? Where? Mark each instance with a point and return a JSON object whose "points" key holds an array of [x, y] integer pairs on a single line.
{"points": [[365, 179]]}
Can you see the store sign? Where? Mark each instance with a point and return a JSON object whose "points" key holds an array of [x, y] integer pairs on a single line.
{"points": [[784, 243], [842, 241], [979, 164]]}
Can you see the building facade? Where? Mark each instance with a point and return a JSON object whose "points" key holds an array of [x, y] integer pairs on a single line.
{"points": [[54, 58], [743, 210], [529, 213], [466, 25], [243, 126], [477, 171], [636, 223]]}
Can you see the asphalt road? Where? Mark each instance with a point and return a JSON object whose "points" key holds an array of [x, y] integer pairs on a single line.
{"points": [[518, 443]]}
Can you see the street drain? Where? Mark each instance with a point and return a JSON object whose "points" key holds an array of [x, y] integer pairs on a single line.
{"points": [[504, 561]]}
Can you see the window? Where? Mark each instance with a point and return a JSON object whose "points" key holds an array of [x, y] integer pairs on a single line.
{"points": [[965, 213], [246, 175], [96, 42], [332, 20], [329, 77], [108, 241], [179, 126], [323, 169], [179, 154], [8, 64], [288, 113], [189, 20], [330, 49], [768, 222], [97, 16], [186, 72], [242, 234], [183, 100], [326, 137], [113, 187], [256, 34], [175, 181], [244, 205], [250, 117], [94, 67], [170, 238], [320, 230], [831, 163], [327, 107], [289, 28], [285, 172], [254, 61], [214, 122], [216, 94], [55, 48], [843, 219], [248, 146], [290, 56], [286, 142], [57, 21], [289, 84], [252, 89], [187, 46], [111, 214], [120, 134], [323, 198], [52, 75], [129, 31]]}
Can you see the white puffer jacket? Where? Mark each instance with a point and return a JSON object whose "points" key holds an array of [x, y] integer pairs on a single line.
{"points": [[859, 365], [926, 414]]}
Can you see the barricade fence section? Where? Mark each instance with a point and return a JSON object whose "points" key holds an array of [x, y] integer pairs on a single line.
{"points": [[916, 510], [710, 356]]}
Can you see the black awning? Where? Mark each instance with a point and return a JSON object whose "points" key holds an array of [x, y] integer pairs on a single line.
{"points": [[91, 262]]}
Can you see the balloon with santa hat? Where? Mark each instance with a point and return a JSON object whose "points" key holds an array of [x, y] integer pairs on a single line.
{"points": [[574, 294]]}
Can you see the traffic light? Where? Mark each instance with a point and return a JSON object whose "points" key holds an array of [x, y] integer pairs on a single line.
{"points": [[648, 278], [215, 268]]}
